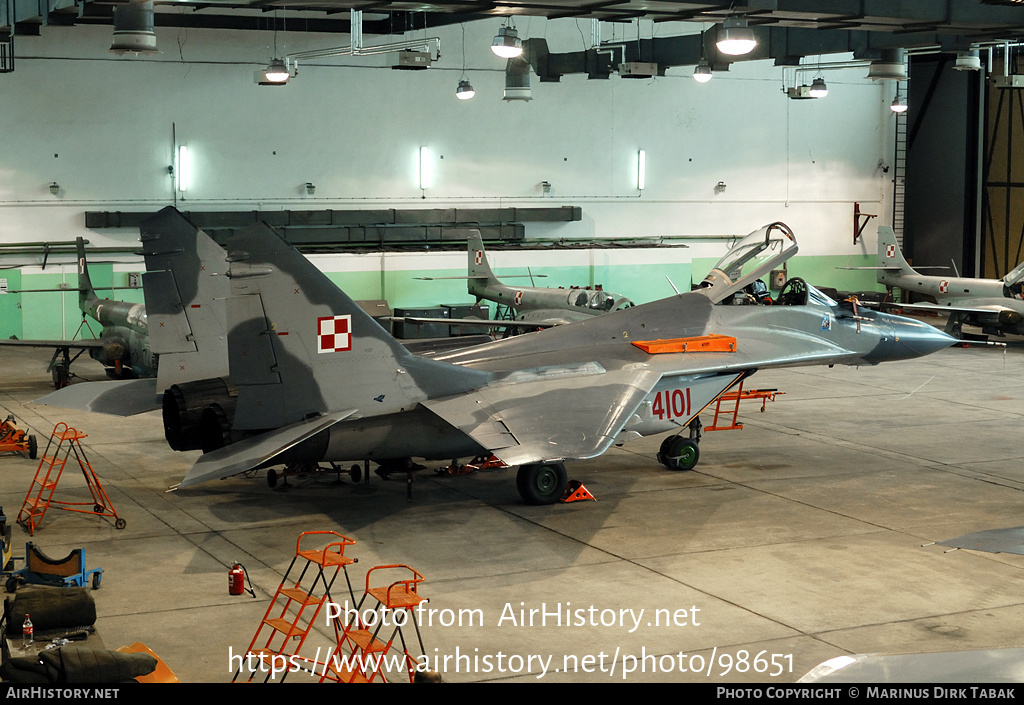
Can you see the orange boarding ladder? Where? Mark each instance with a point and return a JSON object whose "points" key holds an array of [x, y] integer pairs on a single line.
{"points": [[765, 395], [292, 613], [63, 444], [400, 596]]}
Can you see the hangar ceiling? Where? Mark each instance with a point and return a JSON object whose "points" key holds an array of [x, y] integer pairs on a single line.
{"points": [[957, 21]]}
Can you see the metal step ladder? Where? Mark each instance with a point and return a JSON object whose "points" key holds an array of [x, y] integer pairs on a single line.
{"points": [[64, 444]]}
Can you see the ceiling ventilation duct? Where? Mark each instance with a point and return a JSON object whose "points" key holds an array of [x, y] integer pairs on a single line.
{"points": [[968, 61], [891, 67], [517, 79], [133, 29]]}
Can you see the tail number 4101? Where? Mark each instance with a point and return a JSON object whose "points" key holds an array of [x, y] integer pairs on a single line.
{"points": [[672, 404]]}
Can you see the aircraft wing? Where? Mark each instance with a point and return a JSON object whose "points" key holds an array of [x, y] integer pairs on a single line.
{"points": [[515, 420], [936, 308], [258, 451], [73, 344], [474, 322]]}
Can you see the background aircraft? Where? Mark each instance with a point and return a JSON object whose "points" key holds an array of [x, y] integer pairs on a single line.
{"points": [[122, 346], [531, 307], [994, 305], [314, 378]]}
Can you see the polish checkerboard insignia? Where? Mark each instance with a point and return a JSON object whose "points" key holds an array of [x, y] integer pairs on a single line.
{"points": [[944, 286], [890, 251], [518, 298], [334, 334], [478, 256]]}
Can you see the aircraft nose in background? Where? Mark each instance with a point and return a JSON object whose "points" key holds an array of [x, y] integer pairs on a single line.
{"points": [[916, 339]]}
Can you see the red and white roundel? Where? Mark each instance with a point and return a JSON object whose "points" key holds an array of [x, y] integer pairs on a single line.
{"points": [[478, 256], [890, 251], [334, 334], [944, 286], [518, 298]]}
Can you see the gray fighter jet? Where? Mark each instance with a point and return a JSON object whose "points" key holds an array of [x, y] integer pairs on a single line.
{"points": [[178, 334], [313, 378], [994, 305]]}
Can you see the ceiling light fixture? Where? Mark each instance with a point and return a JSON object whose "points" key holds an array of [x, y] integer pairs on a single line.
{"points": [[968, 61], [735, 38], [465, 90], [702, 73], [507, 43], [276, 72], [898, 105], [892, 66], [818, 88]]}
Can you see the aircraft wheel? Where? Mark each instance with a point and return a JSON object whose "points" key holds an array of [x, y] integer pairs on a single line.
{"points": [[272, 478], [542, 483], [61, 376], [678, 453], [355, 473], [12, 584]]}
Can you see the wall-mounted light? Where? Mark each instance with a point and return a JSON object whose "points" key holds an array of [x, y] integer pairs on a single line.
{"points": [[641, 170], [310, 188], [720, 187], [183, 169], [426, 168], [54, 188], [545, 188], [735, 37], [898, 105]]}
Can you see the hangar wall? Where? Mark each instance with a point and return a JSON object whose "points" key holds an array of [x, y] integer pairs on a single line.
{"points": [[101, 128]]}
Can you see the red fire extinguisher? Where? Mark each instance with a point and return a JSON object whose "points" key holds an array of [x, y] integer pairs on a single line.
{"points": [[236, 580]]}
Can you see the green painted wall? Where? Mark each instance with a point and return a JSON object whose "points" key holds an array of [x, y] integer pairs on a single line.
{"points": [[55, 315]]}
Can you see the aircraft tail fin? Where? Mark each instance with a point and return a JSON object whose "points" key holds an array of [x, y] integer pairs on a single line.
{"points": [[480, 273], [87, 297], [299, 347], [185, 288], [890, 257]]}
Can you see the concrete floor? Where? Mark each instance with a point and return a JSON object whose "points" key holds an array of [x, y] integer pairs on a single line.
{"points": [[807, 535]]}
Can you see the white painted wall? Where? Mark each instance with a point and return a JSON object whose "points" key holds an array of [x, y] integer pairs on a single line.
{"points": [[100, 126]]}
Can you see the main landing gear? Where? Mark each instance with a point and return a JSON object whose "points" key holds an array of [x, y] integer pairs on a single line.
{"points": [[542, 483], [682, 453]]}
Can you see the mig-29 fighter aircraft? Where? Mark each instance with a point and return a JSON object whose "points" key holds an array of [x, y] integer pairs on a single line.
{"points": [[178, 334], [994, 305], [314, 378]]}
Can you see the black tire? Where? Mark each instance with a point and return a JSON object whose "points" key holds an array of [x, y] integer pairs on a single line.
{"points": [[61, 376], [272, 478], [33, 448], [542, 483], [96, 578], [355, 473], [678, 453], [12, 584], [120, 523]]}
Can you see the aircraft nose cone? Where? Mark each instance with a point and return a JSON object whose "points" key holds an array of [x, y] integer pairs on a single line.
{"points": [[916, 339]]}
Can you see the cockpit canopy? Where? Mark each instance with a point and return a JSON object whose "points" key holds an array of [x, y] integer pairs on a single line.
{"points": [[598, 300], [750, 259]]}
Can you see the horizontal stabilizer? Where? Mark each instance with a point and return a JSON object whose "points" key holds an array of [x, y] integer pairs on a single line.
{"points": [[115, 397], [258, 451]]}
